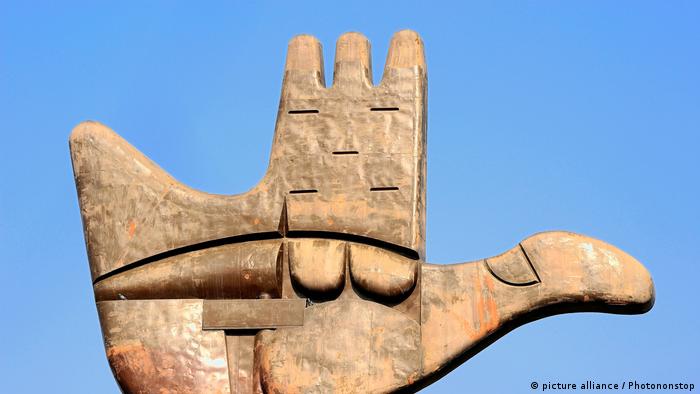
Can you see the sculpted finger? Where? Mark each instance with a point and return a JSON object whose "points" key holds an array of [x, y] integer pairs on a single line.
{"points": [[353, 63], [303, 70]]}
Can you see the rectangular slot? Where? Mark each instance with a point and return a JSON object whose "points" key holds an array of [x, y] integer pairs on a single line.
{"points": [[303, 191], [384, 189], [383, 109], [346, 152], [302, 111]]}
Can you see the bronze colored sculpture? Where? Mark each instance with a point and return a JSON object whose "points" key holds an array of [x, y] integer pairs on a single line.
{"points": [[315, 280]]}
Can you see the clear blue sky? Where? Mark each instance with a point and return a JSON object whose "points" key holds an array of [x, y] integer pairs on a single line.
{"points": [[582, 116]]}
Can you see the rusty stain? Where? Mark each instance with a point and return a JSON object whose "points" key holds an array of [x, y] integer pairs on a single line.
{"points": [[492, 321], [132, 228], [131, 355]]}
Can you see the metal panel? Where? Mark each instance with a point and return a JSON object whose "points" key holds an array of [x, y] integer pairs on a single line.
{"points": [[157, 346], [252, 314], [240, 351], [242, 270]]}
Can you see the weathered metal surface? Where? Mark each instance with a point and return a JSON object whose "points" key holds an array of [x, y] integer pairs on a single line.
{"points": [[252, 314], [244, 270], [361, 163], [314, 280], [151, 213], [133, 210], [465, 305], [317, 265], [343, 347], [382, 273], [159, 346], [240, 351], [513, 267]]}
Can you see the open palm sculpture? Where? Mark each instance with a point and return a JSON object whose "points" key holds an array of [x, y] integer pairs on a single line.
{"points": [[315, 280]]}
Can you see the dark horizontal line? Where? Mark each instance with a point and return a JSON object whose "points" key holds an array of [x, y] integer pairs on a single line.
{"points": [[360, 239], [303, 111], [189, 248], [402, 250], [383, 189], [303, 191], [381, 109], [346, 152]]}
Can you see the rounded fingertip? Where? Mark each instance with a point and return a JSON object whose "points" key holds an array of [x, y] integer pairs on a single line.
{"points": [[352, 46], [405, 50], [406, 34], [353, 63], [304, 52], [88, 128]]}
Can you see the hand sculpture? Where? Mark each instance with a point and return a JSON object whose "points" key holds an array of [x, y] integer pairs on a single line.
{"points": [[314, 280]]}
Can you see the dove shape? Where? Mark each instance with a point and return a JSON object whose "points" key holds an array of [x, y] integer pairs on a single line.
{"points": [[315, 280]]}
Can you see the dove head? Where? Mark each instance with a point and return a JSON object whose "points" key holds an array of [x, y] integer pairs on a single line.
{"points": [[583, 273], [465, 307], [314, 279]]}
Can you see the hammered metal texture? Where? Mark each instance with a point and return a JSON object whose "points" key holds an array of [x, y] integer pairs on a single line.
{"points": [[314, 281]]}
